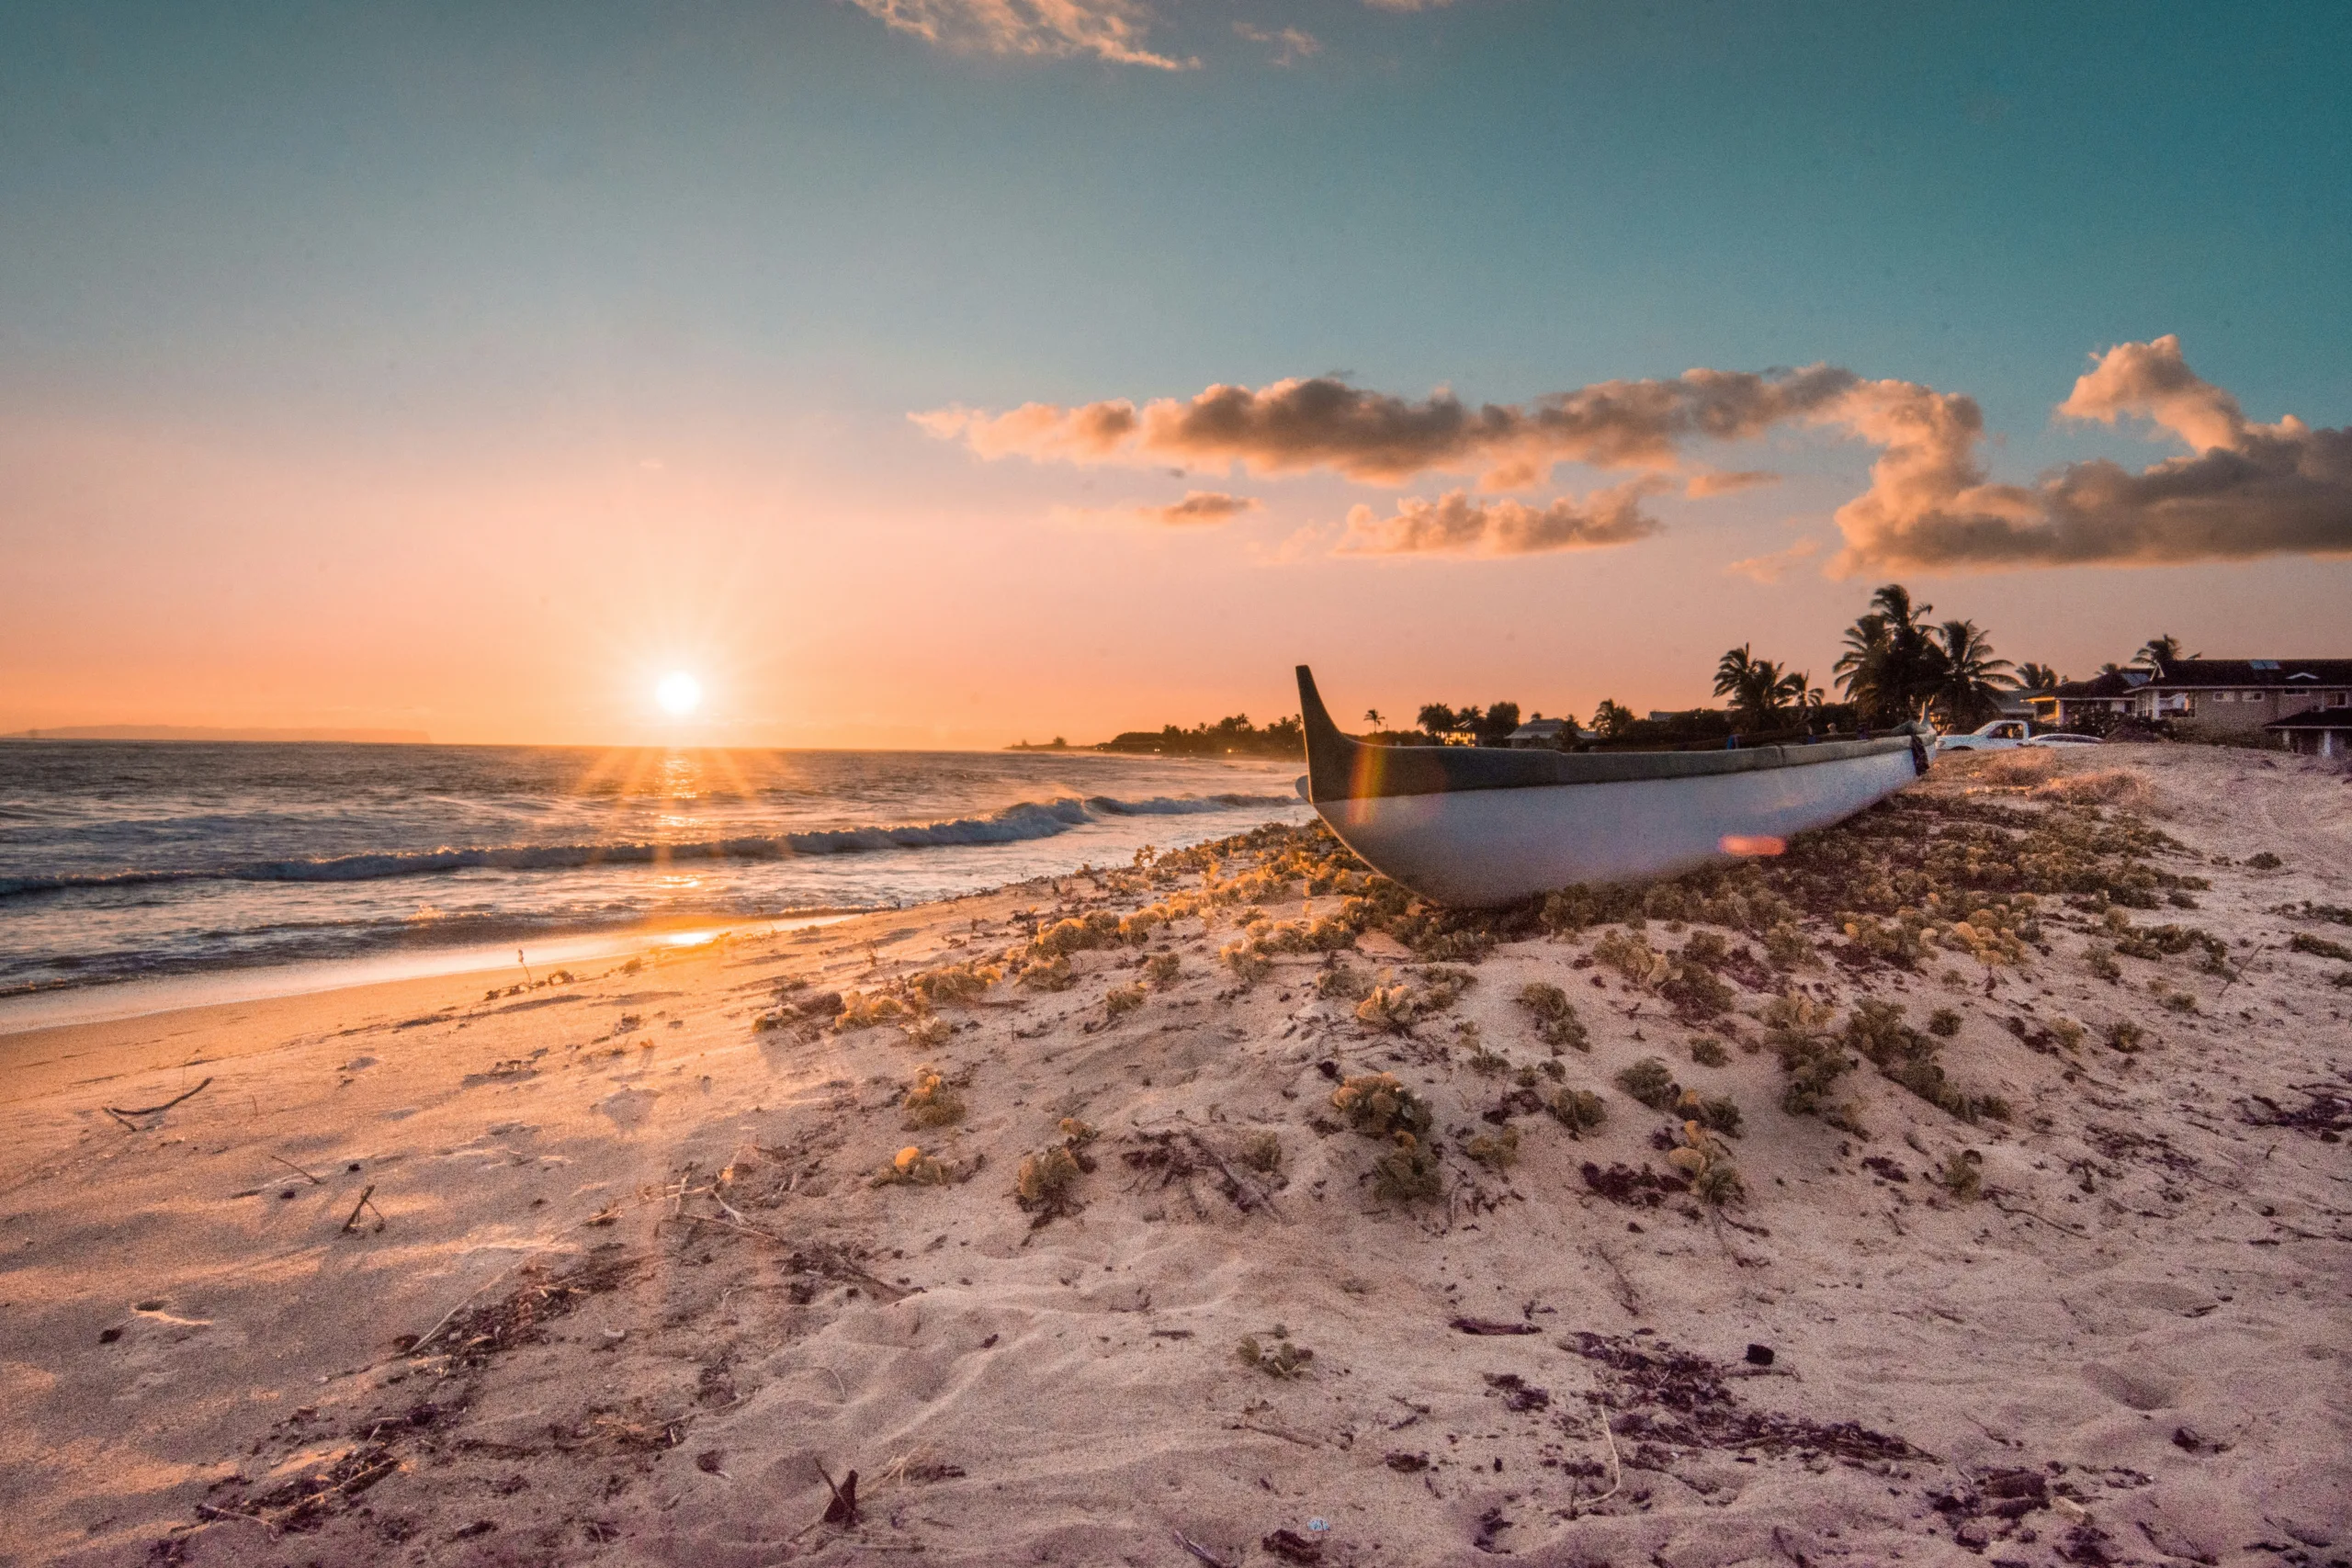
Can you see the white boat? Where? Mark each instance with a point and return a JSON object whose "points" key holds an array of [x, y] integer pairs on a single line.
{"points": [[1480, 827]]}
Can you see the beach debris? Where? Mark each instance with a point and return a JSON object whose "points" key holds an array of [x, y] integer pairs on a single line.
{"points": [[366, 1201], [1291, 1547], [1484, 1059], [313, 1180], [843, 1509], [1404, 1463], [128, 1116], [1634, 1188], [1491, 1327], [1519, 1396], [1282, 1359], [1760, 1356], [931, 1101], [2324, 1113], [472, 1334], [927, 1032], [1556, 1024], [1200, 1552], [2125, 1036], [1665, 1395], [1046, 1182], [1344, 982], [1796, 1030]]}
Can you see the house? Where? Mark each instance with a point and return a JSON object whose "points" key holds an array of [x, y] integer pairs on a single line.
{"points": [[2072, 702], [1549, 734], [2238, 699], [2316, 732]]}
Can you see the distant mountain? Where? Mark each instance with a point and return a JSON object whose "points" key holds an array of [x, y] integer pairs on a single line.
{"points": [[195, 732]]}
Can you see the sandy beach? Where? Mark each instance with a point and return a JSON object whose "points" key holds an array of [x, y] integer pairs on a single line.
{"points": [[620, 1266]]}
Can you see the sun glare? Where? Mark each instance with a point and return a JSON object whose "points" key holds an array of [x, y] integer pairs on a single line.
{"points": [[679, 694]]}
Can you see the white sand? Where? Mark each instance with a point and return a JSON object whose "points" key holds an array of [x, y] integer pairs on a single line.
{"points": [[2151, 1263]]}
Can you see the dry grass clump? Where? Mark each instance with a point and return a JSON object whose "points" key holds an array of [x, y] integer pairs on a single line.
{"points": [[1161, 968], [1906, 1056], [1556, 1024], [912, 1168], [1345, 982], [2126, 1036], [1707, 1165], [1708, 1052], [860, 1011], [929, 1034], [1052, 974], [2105, 786], [1047, 1182], [931, 1101], [1497, 1150], [1395, 1005], [1629, 954], [1651, 1081], [1962, 1175], [1409, 1172], [2100, 962], [1578, 1110], [2025, 766], [1379, 1106], [954, 985], [1283, 1360], [1484, 1060], [1716, 1112], [1263, 1152], [1796, 1030], [1686, 979], [1248, 963], [1120, 1001]]}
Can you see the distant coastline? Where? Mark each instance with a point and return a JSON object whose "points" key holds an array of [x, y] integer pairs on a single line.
{"points": [[199, 733]]}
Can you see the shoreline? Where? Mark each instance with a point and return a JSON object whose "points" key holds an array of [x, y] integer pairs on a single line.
{"points": [[605, 1271]]}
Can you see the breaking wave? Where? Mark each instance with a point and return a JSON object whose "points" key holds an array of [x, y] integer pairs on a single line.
{"points": [[1026, 821]]}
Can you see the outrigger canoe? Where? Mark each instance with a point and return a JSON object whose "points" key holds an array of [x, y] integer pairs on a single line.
{"points": [[1479, 827]]}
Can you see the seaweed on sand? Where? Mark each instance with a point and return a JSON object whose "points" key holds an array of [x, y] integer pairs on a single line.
{"points": [[1907, 1058], [1379, 1106], [1556, 1024], [1676, 1400]]}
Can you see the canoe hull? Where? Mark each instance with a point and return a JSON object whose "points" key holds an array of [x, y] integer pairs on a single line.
{"points": [[1488, 847]]}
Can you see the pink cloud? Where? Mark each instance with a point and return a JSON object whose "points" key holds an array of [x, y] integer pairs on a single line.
{"points": [[1201, 506], [1455, 524], [1108, 29]]}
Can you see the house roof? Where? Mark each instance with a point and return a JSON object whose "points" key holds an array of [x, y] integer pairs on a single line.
{"points": [[1539, 730], [2189, 674], [2337, 719], [2117, 683]]}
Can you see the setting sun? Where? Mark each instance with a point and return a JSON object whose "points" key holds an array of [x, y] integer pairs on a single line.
{"points": [[679, 694]]}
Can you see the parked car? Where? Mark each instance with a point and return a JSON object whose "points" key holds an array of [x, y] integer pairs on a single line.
{"points": [[2003, 734]]}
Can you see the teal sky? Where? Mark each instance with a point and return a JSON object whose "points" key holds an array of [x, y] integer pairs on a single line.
{"points": [[337, 342]]}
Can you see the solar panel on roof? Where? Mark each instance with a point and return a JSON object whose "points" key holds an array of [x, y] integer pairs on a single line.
{"points": [[2262, 663]]}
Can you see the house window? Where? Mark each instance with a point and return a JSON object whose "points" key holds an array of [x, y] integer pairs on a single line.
{"points": [[2339, 699], [2226, 697]]}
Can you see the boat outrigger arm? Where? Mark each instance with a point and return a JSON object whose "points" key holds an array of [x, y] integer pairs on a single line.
{"points": [[1482, 826]]}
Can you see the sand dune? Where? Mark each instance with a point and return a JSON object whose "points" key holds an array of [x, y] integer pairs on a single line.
{"points": [[661, 1296]]}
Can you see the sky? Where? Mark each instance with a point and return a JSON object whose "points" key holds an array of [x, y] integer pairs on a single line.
{"points": [[951, 372]]}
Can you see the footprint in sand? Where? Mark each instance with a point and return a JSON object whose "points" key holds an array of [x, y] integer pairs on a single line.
{"points": [[628, 1109]]}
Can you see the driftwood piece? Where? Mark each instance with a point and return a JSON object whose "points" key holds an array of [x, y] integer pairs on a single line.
{"points": [[123, 1113], [353, 1223]]}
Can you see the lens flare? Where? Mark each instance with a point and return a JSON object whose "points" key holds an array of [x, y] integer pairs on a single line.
{"points": [[679, 694]]}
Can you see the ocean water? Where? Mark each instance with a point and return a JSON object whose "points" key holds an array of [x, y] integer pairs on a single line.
{"points": [[123, 861]]}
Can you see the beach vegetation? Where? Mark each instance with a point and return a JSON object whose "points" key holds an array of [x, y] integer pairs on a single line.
{"points": [[1263, 1152], [954, 985], [1962, 1175], [1344, 982], [860, 1010], [912, 1168], [1484, 1059], [1556, 1024], [931, 1101], [1578, 1110], [1409, 1172], [1651, 1081], [1052, 974], [2101, 961], [1708, 1052], [1161, 968], [1248, 963], [1497, 1150], [1120, 1001], [928, 1033], [2126, 1036], [1906, 1056], [1379, 1106], [1943, 1024]]}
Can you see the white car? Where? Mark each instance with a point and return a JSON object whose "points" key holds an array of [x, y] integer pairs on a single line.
{"points": [[2003, 734]]}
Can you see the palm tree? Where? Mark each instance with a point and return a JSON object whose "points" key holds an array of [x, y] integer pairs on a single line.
{"points": [[1893, 664], [1972, 679], [2158, 652], [1435, 717], [1372, 716], [1759, 688], [1612, 719], [2039, 678]]}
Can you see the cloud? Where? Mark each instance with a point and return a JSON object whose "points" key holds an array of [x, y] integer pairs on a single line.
{"points": [[1109, 29], [1408, 4], [2249, 491], [1322, 421], [1296, 45], [1767, 569], [1714, 481], [1201, 506], [1455, 524]]}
